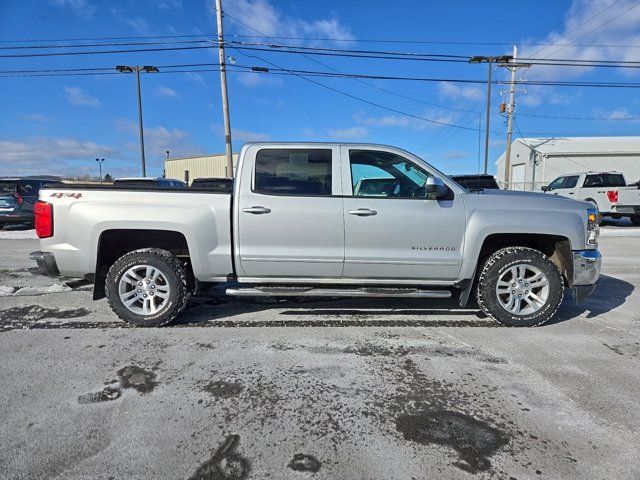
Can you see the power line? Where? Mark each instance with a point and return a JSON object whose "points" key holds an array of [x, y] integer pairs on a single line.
{"points": [[102, 52]]}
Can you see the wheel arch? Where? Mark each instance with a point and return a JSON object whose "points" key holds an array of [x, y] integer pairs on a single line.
{"points": [[114, 243], [556, 247]]}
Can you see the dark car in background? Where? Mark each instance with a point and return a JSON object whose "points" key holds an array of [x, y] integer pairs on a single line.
{"points": [[220, 185], [17, 197], [477, 182]]}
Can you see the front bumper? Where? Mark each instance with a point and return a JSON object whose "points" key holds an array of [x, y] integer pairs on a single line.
{"points": [[586, 270], [46, 262]]}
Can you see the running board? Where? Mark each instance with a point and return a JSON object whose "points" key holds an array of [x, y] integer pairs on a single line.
{"points": [[337, 292]]}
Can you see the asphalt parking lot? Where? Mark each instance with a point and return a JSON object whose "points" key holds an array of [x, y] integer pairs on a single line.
{"points": [[325, 389]]}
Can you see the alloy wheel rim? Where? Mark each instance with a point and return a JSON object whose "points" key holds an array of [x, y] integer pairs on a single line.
{"points": [[144, 290], [522, 289]]}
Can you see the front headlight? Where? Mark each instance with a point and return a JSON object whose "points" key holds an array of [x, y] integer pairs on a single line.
{"points": [[593, 226]]}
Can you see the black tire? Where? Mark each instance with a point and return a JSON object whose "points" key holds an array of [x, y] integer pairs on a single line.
{"points": [[499, 263], [172, 270], [635, 219]]}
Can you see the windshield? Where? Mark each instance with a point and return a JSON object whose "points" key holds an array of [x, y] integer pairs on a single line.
{"points": [[7, 188]]}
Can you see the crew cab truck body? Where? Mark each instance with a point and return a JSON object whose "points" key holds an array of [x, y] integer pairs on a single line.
{"points": [[296, 225], [606, 191]]}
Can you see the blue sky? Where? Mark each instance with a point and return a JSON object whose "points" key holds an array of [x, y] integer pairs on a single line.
{"points": [[60, 124]]}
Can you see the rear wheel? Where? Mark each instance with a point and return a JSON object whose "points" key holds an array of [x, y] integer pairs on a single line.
{"points": [[147, 287], [520, 287], [635, 219]]}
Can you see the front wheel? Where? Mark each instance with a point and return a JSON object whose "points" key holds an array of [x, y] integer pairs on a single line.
{"points": [[147, 287], [520, 287]]}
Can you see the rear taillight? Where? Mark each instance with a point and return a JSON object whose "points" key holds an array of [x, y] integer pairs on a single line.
{"points": [[19, 199], [612, 195], [43, 212]]}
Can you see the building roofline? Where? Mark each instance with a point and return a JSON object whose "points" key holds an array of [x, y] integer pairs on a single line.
{"points": [[199, 156]]}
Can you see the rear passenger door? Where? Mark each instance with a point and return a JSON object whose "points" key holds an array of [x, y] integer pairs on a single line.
{"points": [[289, 213]]}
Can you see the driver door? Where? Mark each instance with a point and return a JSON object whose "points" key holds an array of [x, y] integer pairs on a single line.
{"points": [[392, 231]]}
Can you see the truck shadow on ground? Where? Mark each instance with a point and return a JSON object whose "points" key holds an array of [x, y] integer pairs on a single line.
{"points": [[610, 293], [214, 309]]}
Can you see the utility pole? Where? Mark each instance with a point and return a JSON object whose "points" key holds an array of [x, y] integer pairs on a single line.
{"points": [[510, 110], [223, 86]]}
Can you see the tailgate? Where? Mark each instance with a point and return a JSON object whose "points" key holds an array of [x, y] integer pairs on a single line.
{"points": [[629, 197]]}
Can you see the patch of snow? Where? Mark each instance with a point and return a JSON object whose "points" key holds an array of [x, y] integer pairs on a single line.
{"points": [[55, 288], [5, 290], [18, 235], [620, 232]]}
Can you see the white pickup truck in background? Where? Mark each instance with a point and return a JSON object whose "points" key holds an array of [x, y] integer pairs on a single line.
{"points": [[607, 191]]}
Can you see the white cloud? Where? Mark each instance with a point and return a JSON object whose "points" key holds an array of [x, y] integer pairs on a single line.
{"points": [[167, 92], [157, 140], [170, 5], [138, 24], [437, 117], [352, 133], [240, 135], [79, 7], [36, 117], [80, 98], [458, 92], [262, 16], [49, 156], [196, 78], [589, 22], [253, 79], [456, 155]]}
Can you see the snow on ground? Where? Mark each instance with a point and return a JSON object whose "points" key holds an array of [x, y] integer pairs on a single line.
{"points": [[18, 234]]}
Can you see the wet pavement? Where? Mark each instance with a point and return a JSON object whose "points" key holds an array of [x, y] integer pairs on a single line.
{"points": [[320, 388]]}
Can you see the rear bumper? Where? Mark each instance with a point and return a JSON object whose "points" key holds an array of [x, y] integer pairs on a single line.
{"points": [[46, 262], [586, 270], [15, 218], [626, 209]]}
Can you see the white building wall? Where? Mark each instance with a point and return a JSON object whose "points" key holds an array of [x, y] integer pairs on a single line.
{"points": [[552, 165]]}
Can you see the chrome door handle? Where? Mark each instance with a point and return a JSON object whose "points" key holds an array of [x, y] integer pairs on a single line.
{"points": [[363, 212], [257, 210], [570, 193]]}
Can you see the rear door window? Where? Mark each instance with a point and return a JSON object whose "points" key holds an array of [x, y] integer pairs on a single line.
{"points": [[293, 171], [29, 188], [571, 181]]}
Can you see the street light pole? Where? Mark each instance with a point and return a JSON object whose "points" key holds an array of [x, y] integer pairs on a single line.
{"points": [[488, 119], [137, 69], [144, 167], [100, 160], [490, 61]]}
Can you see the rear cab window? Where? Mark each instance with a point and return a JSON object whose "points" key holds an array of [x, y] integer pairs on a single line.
{"points": [[604, 180], [293, 171]]}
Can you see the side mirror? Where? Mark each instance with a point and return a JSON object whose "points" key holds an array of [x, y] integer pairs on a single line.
{"points": [[435, 188], [544, 188]]}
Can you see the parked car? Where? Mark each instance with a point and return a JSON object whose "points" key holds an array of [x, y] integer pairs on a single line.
{"points": [[606, 191], [476, 182], [17, 197], [296, 226], [223, 185], [143, 182]]}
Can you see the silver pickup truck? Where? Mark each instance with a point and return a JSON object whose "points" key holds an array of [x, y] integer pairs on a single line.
{"points": [[297, 225]]}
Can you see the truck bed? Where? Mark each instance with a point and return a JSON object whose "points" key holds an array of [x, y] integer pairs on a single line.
{"points": [[84, 213]]}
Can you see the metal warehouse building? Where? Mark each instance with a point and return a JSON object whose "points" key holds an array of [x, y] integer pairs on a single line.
{"points": [[190, 168], [537, 161]]}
